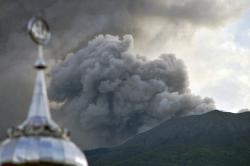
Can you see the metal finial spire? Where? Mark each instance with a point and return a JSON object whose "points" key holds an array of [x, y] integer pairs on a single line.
{"points": [[38, 30], [39, 113]]}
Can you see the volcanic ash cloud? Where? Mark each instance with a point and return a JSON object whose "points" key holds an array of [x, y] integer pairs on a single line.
{"points": [[111, 93]]}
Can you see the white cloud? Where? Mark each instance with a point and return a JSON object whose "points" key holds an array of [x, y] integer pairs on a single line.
{"points": [[248, 33], [219, 68]]}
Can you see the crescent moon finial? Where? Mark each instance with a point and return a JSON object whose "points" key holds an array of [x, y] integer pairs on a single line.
{"points": [[39, 30]]}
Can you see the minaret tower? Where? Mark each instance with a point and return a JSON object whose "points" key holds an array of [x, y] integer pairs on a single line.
{"points": [[39, 140]]}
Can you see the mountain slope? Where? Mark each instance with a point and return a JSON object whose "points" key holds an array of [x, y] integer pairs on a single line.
{"points": [[215, 138]]}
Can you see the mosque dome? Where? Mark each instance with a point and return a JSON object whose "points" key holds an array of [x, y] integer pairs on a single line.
{"points": [[39, 140]]}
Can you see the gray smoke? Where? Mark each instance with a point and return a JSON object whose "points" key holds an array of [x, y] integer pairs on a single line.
{"points": [[244, 110], [112, 93]]}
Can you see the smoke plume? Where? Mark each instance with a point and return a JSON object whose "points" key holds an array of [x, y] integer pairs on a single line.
{"points": [[112, 93], [154, 23]]}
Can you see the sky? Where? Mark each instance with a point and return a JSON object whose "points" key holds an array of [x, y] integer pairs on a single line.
{"points": [[210, 37], [221, 70]]}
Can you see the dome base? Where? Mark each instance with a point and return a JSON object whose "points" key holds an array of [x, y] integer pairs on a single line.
{"points": [[36, 164]]}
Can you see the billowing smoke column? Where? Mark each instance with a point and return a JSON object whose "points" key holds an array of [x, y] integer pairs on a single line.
{"points": [[111, 91]]}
